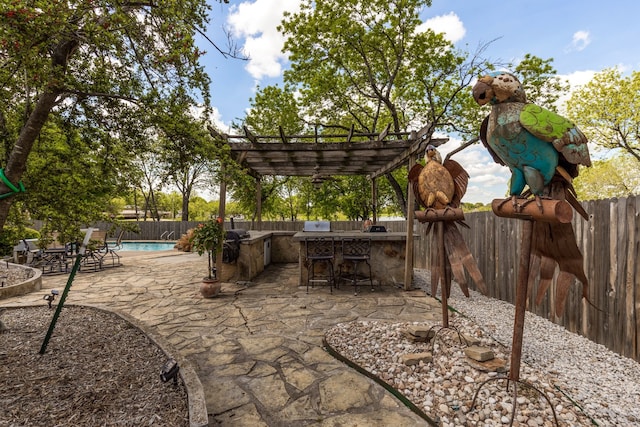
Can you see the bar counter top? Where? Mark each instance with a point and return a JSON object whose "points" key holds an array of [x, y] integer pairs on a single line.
{"points": [[339, 235]]}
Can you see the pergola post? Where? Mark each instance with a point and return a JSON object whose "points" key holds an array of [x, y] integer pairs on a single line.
{"points": [[221, 213], [259, 202], [374, 200], [408, 260]]}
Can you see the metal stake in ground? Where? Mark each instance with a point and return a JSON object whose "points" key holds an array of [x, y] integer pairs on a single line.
{"points": [[549, 216], [451, 257], [72, 275]]}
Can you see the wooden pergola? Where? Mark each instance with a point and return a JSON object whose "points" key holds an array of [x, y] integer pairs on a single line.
{"points": [[323, 155]]}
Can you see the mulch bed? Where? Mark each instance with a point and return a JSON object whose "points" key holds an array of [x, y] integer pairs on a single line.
{"points": [[98, 369]]}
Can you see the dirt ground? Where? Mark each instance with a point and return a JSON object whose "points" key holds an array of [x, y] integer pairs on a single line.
{"points": [[97, 370]]}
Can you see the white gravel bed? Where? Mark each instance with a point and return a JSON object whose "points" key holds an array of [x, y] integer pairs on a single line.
{"points": [[585, 382]]}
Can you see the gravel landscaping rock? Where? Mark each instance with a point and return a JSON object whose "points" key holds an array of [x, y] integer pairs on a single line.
{"points": [[585, 383]]}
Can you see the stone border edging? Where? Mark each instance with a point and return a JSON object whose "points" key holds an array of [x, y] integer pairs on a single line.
{"points": [[198, 415], [333, 352], [32, 284]]}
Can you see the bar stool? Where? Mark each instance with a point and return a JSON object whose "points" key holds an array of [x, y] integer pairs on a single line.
{"points": [[320, 250], [355, 251]]}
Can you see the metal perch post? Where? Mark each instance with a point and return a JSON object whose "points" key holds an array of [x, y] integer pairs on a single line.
{"points": [[507, 210]]}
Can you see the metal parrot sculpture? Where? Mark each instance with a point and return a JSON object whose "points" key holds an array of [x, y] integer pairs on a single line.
{"points": [[543, 150], [440, 186]]}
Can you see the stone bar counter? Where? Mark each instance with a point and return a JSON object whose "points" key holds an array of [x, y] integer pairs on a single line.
{"points": [[388, 251]]}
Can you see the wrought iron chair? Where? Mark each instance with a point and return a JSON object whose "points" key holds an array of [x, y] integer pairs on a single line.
{"points": [[320, 250], [354, 252]]}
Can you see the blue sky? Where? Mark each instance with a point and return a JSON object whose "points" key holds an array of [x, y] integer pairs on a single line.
{"points": [[582, 37]]}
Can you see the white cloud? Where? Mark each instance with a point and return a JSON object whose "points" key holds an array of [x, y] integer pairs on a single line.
{"points": [[449, 24], [216, 118], [581, 39], [487, 179], [576, 80], [256, 23]]}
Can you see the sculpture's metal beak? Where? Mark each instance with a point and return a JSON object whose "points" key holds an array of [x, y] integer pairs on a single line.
{"points": [[482, 91]]}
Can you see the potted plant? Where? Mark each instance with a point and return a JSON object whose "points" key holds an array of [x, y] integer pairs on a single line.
{"points": [[206, 238]]}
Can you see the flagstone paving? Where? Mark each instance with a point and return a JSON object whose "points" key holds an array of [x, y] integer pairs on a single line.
{"points": [[257, 347]]}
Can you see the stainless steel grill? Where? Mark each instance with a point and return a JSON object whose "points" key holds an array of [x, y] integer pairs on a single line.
{"points": [[316, 226]]}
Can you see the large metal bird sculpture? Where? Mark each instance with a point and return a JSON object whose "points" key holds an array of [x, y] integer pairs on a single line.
{"points": [[440, 186], [543, 150]]}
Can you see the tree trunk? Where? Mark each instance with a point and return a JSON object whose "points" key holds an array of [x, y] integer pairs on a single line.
{"points": [[17, 163], [185, 207], [402, 201]]}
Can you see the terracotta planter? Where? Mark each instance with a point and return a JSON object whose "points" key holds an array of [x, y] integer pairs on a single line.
{"points": [[210, 288]]}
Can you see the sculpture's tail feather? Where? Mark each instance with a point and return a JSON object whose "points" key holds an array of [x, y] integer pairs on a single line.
{"points": [[563, 284], [547, 269], [573, 201], [562, 188], [460, 257], [556, 243]]}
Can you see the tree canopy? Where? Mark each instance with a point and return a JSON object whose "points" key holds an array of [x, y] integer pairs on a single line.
{"points": [[607, 110], [99, 66], [372, 64]]}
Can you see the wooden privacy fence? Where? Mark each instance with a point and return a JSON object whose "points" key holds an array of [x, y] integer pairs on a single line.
{"points": [[610, 244], [609, 241]]}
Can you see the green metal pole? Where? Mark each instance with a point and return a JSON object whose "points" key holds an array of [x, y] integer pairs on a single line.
{"points": [[74, 270]]}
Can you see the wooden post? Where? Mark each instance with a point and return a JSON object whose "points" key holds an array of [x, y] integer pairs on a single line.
{"points": [[222, 207], [408, 258], [259, 202], [374, 198]]}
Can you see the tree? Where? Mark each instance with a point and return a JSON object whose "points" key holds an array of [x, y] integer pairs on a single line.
{"points": [[186, 149], [273, 109], [615, 177], [69, 183], [607, 110], [540, 82], [371, 64], [95, 62]]}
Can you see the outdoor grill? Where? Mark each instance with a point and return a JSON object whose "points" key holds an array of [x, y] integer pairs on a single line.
{"points": [[237, 234], [317, 226], [231, 246], [375, 229]]}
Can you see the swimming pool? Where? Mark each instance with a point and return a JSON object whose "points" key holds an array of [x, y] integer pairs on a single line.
{"points": [[147, 246]]}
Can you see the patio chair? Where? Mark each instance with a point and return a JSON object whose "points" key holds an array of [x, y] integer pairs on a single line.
{"points": [[115, 243], [354, 252], [27, 252], [110, 257], [56, 256], [320, 251], [93, 255]]}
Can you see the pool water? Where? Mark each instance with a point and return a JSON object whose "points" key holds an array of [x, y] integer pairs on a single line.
{"points": [[147, 246]]}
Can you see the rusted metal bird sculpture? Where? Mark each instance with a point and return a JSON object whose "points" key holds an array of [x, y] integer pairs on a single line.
{"points": [[543, 150], [439, 187]]}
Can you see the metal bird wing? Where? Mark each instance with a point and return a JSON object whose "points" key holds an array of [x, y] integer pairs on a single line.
{"points": [[561, 132], [483, 139], [460, 181]]}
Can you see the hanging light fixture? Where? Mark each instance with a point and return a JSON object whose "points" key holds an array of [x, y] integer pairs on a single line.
{"points": [[317, 179]]}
